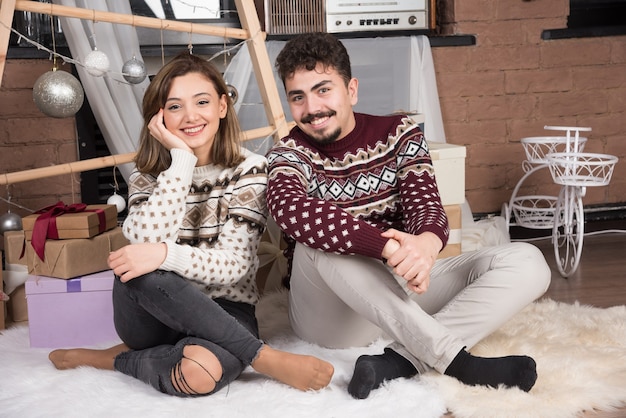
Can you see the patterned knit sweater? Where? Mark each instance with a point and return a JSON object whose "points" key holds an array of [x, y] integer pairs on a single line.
{"points": [[339, 197], [211, 219]]}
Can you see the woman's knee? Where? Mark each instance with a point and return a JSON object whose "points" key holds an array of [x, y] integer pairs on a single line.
{"points": [[198, 372]]}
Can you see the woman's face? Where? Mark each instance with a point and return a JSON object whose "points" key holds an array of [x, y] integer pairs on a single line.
{"points": [[193, 111]]}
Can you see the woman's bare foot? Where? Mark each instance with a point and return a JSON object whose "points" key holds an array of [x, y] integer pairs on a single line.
{"points": [[299, 371], [64, 359]]}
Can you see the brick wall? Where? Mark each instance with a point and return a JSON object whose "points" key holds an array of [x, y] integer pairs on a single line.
{"points": [[29, 139], [512, 83]]}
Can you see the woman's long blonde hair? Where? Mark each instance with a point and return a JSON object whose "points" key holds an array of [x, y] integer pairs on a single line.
{"points": [[152, 157]]}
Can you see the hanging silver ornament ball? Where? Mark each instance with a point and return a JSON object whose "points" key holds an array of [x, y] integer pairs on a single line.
{"points": [[232, 93], [134, 71], [118, 201], [10, 222], [97, 63], [58, 94]]}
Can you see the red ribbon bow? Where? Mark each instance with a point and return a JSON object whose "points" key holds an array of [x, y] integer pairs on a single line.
{"points": [[46, 225]]}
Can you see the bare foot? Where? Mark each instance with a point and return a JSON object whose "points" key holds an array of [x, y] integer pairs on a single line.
{"points": [[299, 371], [64, 359]]}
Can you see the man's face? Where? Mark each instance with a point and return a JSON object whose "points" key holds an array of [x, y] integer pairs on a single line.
{"points": [[321, 103]]}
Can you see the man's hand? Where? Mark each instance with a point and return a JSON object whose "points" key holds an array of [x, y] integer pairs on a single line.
{"points": [[413, 258], [135, 260]]}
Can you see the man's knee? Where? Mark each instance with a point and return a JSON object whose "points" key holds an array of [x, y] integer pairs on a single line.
{"points": [[198, 371], [534, 265]]}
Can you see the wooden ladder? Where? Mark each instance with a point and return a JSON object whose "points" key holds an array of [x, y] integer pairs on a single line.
{"points": [[250, 31]]}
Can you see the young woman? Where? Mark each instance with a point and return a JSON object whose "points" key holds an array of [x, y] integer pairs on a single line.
{"points": [[185, 291]]}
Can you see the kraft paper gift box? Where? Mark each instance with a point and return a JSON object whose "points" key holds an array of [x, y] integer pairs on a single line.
{"points": [[14, 275], [14, 247], [72, 221], [453, 247], [69, 258], [70, 313]]}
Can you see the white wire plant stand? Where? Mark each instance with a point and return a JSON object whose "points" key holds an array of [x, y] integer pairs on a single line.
{"points": [[572, 169]]}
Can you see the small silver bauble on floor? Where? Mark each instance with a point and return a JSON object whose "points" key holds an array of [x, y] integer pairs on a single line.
{"points": [[10, 222]]}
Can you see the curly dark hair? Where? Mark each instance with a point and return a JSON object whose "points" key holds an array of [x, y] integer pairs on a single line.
{"points": [[305, 51]]}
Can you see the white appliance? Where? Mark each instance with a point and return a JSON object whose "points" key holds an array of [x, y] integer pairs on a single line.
{"points": [[285, 17]]}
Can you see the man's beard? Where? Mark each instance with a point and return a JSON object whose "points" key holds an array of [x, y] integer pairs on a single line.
{"points": [[322, 138], [327, 139]]}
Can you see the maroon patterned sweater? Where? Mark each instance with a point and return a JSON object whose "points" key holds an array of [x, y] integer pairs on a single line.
{"points": [[339, 197]]}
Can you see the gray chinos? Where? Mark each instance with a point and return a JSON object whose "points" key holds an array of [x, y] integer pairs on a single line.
{"points": [[342, 301]]}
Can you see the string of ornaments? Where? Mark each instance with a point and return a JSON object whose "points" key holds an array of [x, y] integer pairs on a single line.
{"points": [[59, 94]]}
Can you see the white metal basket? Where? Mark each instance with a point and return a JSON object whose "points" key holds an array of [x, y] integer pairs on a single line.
{"points": [[581, 169], [538, 147], [534, 212]]}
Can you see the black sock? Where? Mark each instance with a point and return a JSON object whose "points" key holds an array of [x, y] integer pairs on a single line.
{"points": [[519, 371], [371, 371]]}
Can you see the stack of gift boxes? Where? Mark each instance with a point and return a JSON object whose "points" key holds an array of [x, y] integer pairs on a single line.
{"points": [[449, 165], [66, 297]]}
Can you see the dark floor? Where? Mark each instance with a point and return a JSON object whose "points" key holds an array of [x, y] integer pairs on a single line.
{"points": [[600, 278]]}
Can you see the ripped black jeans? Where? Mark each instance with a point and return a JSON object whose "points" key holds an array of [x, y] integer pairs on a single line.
{"points": [[160, 313]]}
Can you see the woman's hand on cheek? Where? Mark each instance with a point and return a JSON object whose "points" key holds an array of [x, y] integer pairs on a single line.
{"points": [[160, 132]]}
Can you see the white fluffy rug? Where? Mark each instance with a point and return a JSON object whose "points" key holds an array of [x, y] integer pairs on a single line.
{"points": [[580, 352], [581, 364]]}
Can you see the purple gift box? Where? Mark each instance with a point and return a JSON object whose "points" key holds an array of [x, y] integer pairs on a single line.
{"points": [[70, 313]]}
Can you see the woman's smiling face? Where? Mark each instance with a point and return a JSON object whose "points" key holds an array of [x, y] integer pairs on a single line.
{"points": [[193, 111]]}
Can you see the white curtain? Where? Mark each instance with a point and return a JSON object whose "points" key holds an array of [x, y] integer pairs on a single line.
{"points": [[395, 74], [424, 96], [115, 103]]}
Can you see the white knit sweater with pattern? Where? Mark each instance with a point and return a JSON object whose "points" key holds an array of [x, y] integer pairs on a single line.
{"points": [[211, 219]]}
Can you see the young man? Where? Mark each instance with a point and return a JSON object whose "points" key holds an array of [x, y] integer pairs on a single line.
{"points": [[357, 195]]}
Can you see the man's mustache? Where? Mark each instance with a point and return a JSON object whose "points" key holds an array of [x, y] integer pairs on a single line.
{"points": [[310, 117]]}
